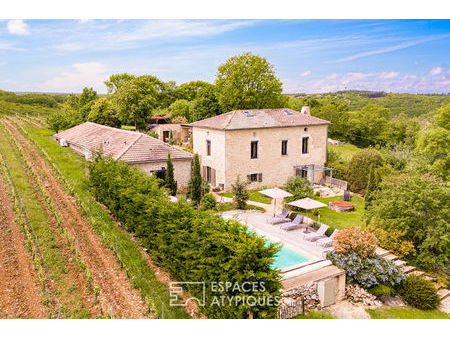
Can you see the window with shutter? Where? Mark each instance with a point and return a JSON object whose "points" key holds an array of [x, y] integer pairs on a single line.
{"points": [[260, 177]]}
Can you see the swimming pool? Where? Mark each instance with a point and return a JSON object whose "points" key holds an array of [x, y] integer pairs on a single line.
{"points": [[287, 257]]}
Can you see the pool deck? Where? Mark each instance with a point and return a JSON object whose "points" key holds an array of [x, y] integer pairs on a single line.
{"points": [[293, 239]]}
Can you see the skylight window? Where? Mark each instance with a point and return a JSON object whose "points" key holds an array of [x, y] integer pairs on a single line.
{"points": [[287, 112], [248, 114]]}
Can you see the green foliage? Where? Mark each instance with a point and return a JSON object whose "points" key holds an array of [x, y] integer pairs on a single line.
{"points": [[181, 108], [434, 145], [419, 293], [208, 202], [117, 80], [368, 272], [416, 207], [205, 104], [240, 193], [190, 244], [299, 187], [42, 100], [359, 167], [196, 182], [189, 91], [442, 117], [247, 81], [405, 313], [169, 180], [103, 112], [382, 290], [137, 98], [372, 185]]}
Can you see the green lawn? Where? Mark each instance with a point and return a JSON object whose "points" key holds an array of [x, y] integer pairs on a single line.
{"points": [[345, 151], [255, 196], [73, 168], [340, 220], [405, 313]]}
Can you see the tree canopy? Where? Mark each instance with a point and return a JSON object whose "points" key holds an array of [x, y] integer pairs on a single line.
{"points": [[247, 81]]}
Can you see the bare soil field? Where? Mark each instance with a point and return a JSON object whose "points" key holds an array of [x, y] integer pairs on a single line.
{"points": [[116, 294], [20, 292]]}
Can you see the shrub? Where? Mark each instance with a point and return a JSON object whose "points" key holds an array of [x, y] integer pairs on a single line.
{"points": [[359, 168], [208, 202], [188, 243], [392, 241], [169, 181], [299, 187], [240, 192], [361, 242], [367, 271], [382, 290], [419, 292]]}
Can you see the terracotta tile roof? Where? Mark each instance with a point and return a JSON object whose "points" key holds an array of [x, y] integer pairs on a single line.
{"points": [[124, 145], [259, 118]]}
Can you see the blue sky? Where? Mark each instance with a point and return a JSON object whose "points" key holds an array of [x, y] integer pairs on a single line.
{"points": [[309, 55]]}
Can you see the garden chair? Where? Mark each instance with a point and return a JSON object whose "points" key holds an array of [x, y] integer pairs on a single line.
{"points": [[327, 241], [281, 218], [313, 236], [295, 224]]}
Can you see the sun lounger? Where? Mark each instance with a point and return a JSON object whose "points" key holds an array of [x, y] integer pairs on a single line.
{"points": [[313, 236], [327, 241], [281, 218], [295, 224]]}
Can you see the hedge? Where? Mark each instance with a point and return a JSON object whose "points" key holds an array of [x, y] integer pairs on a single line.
{"points": [[192, 245]]}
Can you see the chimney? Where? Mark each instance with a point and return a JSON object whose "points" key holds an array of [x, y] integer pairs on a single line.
{"points": [[306, 110]]}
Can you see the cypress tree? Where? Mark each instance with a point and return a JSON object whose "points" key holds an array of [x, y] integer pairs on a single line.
{"points": [[170, 182], [196, 181], [372, 186]]}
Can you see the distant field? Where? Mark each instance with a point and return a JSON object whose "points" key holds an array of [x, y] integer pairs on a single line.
{"points": [[345, 151]]}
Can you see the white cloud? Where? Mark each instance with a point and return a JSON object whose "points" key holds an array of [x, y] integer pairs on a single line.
{"points": [[436, 71], [305, 73], [389, 75], [88, 74], [402, 45], [386, 81], [104, 36], [18, 27]]}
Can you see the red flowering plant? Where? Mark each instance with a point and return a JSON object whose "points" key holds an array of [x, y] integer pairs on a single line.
{"points": [[361, 242]]}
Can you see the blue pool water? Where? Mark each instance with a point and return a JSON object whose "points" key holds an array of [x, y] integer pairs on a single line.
{"points": [[287, 257]]}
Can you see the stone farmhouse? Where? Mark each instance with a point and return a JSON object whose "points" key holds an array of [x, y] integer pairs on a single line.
{"points": [[138, 149], [264, 146]]}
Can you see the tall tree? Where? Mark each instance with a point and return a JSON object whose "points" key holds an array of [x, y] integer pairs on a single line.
{"points": [[117, 80], [247, 81], [372, 185], [205, 105], [137, 98], [195, 184], [169, 180], [359, 166], [188, 91]]}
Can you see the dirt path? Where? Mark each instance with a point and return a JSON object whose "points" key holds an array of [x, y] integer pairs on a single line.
{"points": [[116, 291], [20, 292]]}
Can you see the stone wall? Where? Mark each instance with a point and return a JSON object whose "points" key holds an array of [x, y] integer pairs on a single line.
{"points": [[291, 303]]}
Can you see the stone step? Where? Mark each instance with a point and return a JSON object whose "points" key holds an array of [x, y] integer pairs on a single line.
{"points": [[443, 293], [418, 273], [429, 278], [381, 252], [391, 257], [399, 262], [408, 269]]}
